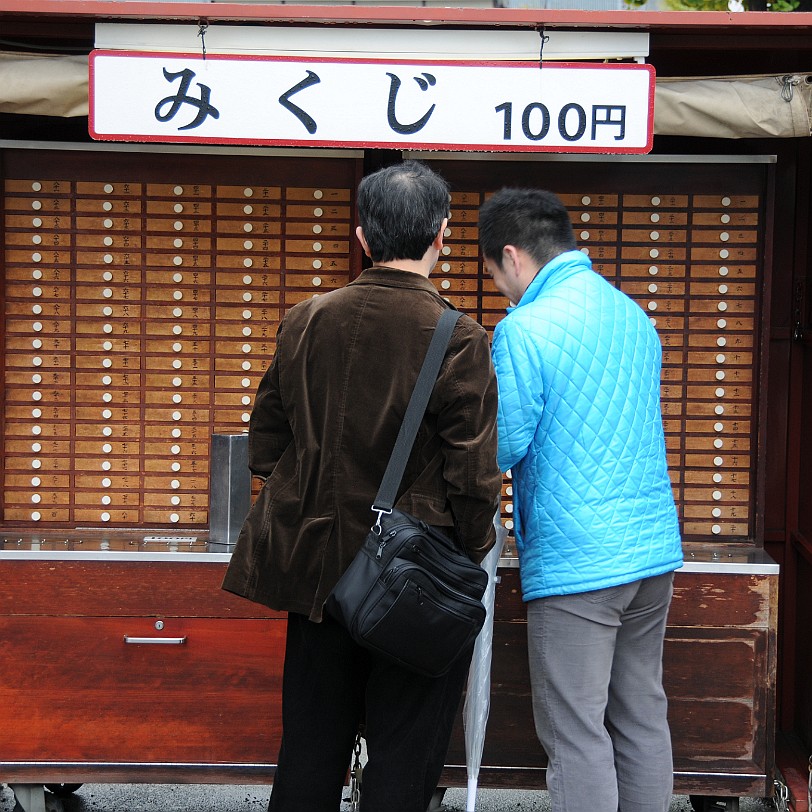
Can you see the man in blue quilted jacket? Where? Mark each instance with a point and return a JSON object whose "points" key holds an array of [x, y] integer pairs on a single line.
{"points": [[580, 429]]}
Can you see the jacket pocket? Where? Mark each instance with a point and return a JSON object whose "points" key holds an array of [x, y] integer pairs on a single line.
{"points": [[432, 509]]}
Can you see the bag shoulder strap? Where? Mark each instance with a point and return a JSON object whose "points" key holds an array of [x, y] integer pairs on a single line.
{"points": [[414, 412]]}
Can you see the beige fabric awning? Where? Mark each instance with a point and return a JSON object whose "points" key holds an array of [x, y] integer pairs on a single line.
{"points": [[712, 107], [40, 85], [735, 106]]}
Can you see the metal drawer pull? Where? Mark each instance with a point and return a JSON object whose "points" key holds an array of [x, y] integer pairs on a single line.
{"points": [[154, 641]]}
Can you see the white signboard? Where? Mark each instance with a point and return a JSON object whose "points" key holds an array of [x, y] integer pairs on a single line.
{"points": [[281, 101]]}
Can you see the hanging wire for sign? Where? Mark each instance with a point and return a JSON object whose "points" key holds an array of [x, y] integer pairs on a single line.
{"points": [[201, 32], [545, 38]]}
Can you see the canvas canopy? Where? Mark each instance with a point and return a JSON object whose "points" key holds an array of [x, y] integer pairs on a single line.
{"points": [[40, 85], [735, 106]]}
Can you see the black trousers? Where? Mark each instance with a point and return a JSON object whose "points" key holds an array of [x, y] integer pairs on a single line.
{"points": [[330, 687]]}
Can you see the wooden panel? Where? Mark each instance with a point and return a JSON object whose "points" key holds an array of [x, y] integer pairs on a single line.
{"points": [[127, 589], [704, 600], [717, 706], [719, 600], [717, 686], [683, 242], [71, 689], [135, 274]]}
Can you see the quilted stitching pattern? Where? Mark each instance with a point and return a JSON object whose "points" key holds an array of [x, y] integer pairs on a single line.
{"points": [[593, 502]]}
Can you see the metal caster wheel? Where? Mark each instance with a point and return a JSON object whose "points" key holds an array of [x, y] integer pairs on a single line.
{"points": [[708, 803]]}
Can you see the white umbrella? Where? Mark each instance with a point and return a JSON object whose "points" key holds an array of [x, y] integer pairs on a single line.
{"points": [[478, 697]]}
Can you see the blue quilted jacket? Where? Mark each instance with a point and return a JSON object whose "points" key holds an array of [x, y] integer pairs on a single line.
{"points": [[593, 505]]}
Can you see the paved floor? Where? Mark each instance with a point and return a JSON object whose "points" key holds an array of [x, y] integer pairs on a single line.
{"points": [[202, 798]]}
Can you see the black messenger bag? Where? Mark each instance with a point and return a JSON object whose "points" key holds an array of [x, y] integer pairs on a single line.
{"points": [[410, 593]]}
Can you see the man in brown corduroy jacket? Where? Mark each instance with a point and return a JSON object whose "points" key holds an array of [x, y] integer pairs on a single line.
{"points": [[324, 423]]}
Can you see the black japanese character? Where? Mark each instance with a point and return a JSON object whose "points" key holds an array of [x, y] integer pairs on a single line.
{"points": [[204, 109], [424, 82], [284, 100], [613, 115]]}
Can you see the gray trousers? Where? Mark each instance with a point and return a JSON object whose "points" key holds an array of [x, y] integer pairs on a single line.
{"points": [[598, 701]]}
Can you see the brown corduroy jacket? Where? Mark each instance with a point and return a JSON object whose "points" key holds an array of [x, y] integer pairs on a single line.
{"points": [[324, 422]]}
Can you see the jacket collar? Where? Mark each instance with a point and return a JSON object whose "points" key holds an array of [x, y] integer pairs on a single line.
{"points": [[392, 277], [556, 270]]}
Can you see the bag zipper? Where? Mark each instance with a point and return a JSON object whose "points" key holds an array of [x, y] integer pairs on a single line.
{"points": [[392, 573], [431, 560], [389, 536]]}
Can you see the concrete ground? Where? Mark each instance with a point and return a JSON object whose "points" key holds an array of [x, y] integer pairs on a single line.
{"points": [[210, 798]]}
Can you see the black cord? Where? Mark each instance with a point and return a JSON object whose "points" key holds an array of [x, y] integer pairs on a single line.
{"points": [[201, 32], [544, 40]]}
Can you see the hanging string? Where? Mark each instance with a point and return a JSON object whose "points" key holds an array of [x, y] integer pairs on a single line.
{"points": [[201, 32], [544, 40]]}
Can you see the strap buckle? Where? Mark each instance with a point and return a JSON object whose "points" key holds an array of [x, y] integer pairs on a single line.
{"points": [[377, 528]]}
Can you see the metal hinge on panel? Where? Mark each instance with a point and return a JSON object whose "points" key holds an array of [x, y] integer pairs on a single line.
{"points": [[798, 312]]}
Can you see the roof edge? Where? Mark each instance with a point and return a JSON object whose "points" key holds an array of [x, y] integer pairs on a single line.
{"points": [[141, 10]]}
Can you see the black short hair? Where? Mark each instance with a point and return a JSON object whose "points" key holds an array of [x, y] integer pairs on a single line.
{"points": [[531, 219], [401, 209]]}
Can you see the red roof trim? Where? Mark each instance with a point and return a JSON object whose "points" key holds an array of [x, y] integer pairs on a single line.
{"points": [[132, 10]]}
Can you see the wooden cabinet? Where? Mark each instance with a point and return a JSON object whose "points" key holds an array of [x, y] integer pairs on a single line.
{"points": [[128, 670], [134, 666]]}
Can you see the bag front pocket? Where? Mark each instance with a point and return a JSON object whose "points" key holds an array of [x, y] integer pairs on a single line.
{"points": [[419, 622]]}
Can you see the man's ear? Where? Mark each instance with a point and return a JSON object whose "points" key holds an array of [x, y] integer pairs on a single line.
{"points": [[359, 232], [511, 260], [438, 240]]}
